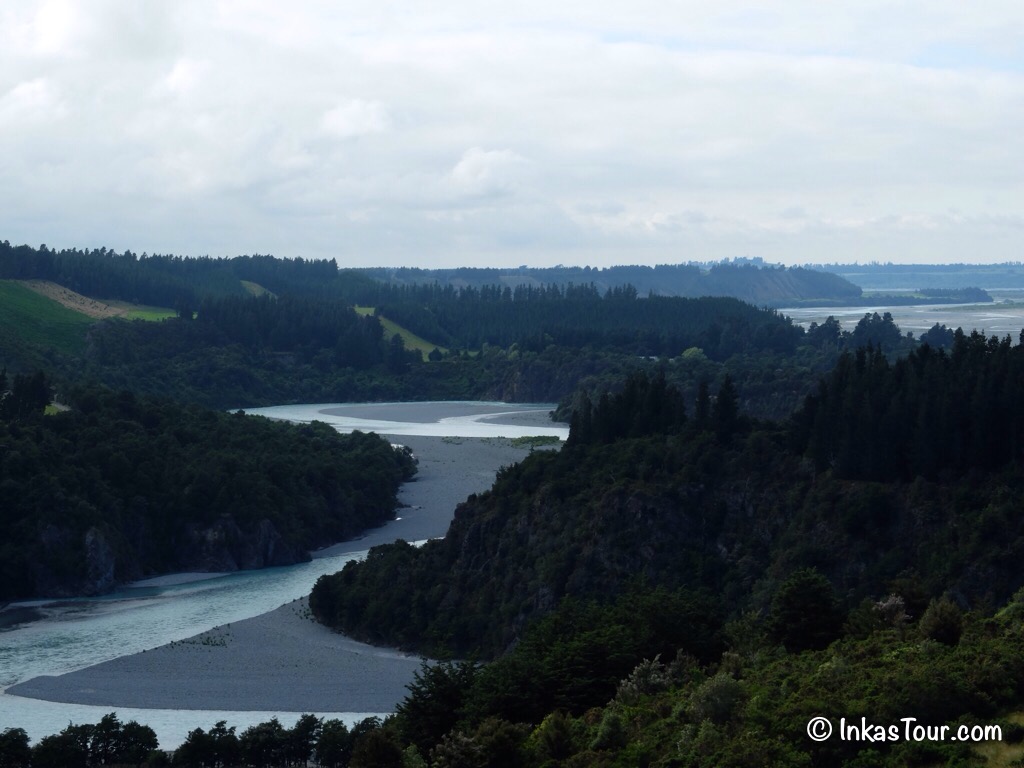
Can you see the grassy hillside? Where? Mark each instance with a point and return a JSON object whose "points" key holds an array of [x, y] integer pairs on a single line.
{"points": [[38, 318], [28, 320], [412, 341], [142, 312], [255, 289]]}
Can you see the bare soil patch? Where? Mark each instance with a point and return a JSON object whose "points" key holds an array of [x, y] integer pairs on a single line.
{"points": [[75, 301]]}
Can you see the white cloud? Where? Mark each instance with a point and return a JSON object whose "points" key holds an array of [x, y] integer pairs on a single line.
{"points": [[487, 172], [185, 76], [533, 132], [31, 102], [355, 118]]}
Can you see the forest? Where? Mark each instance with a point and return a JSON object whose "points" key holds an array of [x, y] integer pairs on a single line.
{"points": [[750, 280], [258, 330], [751, 523], [798, 584], [119, 487]]}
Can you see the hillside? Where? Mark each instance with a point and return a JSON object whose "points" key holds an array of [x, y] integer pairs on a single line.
{"points": [[117, 488], [911, 277], [30, 323], [753, 282], [411, 340], [796, 575]]}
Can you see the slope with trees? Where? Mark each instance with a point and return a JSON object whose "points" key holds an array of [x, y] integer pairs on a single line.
{"points": [[815, 564], [120, 487]]}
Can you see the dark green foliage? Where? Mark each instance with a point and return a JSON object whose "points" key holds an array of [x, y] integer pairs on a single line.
{"points": [[751, 281], [376, 749], [29, 396], [959, 295], [264, 745], [173, 281], [244, 350], [435, 702], [301, 342], [108, 742], [938, 336], [68, 749], [752, 519], [805, 613], [578, 316], [120, 487], [931, 413], [217, 747], [877, 331], [14, 749], [725, 411], [334, 747], [689, 506], [645, 406], [943, 621], [574, 658]]}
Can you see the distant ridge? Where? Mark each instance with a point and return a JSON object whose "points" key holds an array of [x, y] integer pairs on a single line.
{"points": [[751, 281], [897, 277]]}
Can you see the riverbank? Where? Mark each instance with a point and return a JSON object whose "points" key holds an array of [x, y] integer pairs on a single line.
{"points": [[283, 660]]}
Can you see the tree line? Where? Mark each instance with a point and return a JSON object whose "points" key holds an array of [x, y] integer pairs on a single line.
{"points": [[111, 742], [119, 487]]}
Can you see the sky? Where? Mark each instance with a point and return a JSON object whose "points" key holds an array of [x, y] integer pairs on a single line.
{"points": [[457, 133]]}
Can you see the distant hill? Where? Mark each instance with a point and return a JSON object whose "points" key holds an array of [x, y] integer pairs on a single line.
{"points": [[756, 283], [912, 277]]}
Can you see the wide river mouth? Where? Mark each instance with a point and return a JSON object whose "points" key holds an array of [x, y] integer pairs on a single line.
{"points": [[59, 636]]}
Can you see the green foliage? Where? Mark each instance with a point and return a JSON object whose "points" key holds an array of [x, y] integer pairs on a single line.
{"points": [[30, 323], [108, 742], [805, 613], [751, 281], [14, 748], [534, 573], [931, 413], [119, 487], [29, 396], [943, 622], [411, 340], [435, 703], [377, 749]]}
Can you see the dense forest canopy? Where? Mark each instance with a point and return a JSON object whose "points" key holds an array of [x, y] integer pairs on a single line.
{"points": [[802, 547], [256, 330], [119, 487], [752, 281]]}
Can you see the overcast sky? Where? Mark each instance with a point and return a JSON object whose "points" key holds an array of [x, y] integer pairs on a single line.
{"points": [[503, 133]]}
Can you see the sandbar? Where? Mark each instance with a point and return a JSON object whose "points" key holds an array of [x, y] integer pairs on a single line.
{"points": [[284, 660]]}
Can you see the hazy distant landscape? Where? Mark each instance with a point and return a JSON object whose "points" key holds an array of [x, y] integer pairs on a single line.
{"points": [[511, 386]]}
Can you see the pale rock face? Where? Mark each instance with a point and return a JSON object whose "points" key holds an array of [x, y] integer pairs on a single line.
{"points": [[100, 561], [224, 546]]}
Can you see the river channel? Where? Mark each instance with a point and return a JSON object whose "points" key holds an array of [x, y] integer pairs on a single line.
{"points": [[56, 637]]}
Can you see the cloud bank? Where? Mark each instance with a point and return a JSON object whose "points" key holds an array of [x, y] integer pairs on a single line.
{"points": [[525, 133]]}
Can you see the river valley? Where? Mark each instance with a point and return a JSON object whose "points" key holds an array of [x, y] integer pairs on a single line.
{"points": [[460, 446]]}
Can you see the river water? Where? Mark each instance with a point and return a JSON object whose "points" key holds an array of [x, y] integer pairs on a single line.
{"points": [[54, 637]]}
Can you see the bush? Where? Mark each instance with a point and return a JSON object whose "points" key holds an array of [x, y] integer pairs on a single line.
{"points": [[943, 621]]}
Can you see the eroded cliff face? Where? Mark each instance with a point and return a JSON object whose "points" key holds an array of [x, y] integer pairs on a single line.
{"points": [[224, 546], [98, 561]]}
